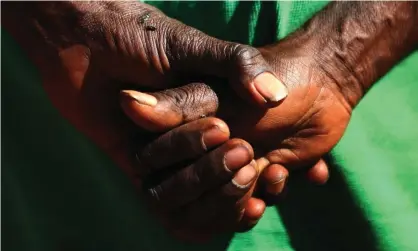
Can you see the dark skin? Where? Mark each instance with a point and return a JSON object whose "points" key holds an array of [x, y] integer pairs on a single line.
{"points": [[328, 66], [87, 52], [91, 51], [91, 72]]}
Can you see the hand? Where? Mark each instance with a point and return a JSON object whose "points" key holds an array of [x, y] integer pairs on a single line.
{"points": [[207, 191], [307, 124], [265, 130], [175, 190], [327, 73], [87, 52]]}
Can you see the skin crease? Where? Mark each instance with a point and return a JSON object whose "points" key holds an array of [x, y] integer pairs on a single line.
{"points": [[83, 76], [308, 123], [326, 76], [81, 62], [301, 128], [327, 83], [83, 69]]}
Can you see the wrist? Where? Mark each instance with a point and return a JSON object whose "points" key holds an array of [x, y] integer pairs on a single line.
{"points": [[328, 69], [356, 43], [339, 75], [334, 60]]}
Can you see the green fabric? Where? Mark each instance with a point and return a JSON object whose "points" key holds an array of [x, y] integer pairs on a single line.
{"points": [[61, 193]]}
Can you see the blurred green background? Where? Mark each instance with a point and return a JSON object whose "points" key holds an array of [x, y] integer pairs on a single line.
{"points": [[59, 192]]}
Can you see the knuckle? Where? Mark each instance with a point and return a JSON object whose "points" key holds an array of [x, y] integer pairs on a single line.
{"points": [[172, 99], [249, 62], [192, 94], [182, 40], [244, 54], [193, 143], [286, 156], [193, 101], [193, 138], [276, 156], [180, 96]]}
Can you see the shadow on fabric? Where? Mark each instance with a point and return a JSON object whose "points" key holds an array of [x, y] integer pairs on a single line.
{"points": [[325, 217], [60, 193]]}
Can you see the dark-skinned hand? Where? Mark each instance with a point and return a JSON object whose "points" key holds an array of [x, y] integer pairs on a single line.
{"points": [[86, 52], [326, 73], [306, 125]]}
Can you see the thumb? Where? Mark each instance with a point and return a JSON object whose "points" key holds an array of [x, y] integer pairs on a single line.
{"points": [[167, 109], [194, 53]]}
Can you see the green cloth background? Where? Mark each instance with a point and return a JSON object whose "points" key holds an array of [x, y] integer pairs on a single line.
{"points": [[59, 192]]}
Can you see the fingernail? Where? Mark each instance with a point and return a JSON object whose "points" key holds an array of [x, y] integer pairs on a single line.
{"points": [[142, 98], [245, 176], [272, 89], [236, 158], [277, 186], [212, 137]]}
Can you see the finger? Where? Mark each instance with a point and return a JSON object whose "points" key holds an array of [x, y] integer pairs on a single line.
{"points": [[254, 207], [221, 209], [186, 142], [254, 210], [167, 109], [212, 170], [195, 53], [274, 178], [319, 173], [174, 49]]}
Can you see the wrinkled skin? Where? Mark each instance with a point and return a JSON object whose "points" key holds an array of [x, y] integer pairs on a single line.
{"points": [[103, 48], [327, 66], [308, 123], [295, 135], [100, 56]]}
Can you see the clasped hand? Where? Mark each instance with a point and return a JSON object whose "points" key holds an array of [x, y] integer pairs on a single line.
{"points": [[277, 110], [205, 170]]}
